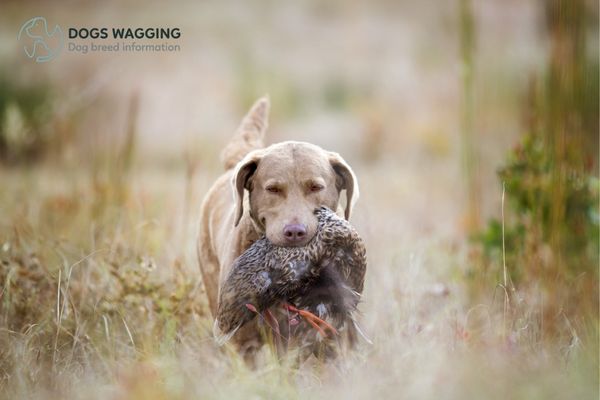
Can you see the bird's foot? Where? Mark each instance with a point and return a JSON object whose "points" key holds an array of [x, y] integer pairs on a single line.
{"points": [[319, 324]]}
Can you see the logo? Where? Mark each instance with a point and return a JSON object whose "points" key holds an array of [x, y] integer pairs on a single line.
{"points": [[40, 44]]}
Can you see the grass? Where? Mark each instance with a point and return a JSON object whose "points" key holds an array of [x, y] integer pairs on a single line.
{"points": [[101, 298]]}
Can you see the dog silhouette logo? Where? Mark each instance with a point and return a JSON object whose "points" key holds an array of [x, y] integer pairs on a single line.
{"points": [[40, 44]]}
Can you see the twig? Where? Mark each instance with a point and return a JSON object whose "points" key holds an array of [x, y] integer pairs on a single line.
{"points": [[57, 319], [505, 270], [128, 332]]}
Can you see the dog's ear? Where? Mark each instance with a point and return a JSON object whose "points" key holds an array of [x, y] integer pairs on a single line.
{"points": [[346, 180], [241, 180]]}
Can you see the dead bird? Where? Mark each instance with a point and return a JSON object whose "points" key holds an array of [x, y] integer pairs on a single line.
{"points": [[320, 283]]}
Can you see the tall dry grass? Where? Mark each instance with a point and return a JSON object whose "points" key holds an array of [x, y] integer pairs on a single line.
{"points": [[101, 299]]}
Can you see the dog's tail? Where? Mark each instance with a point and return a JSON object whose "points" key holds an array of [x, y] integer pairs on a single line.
{"points": [[249, 135]]}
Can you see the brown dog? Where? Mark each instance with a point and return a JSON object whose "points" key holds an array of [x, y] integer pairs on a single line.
{"points": [[285, 182]]}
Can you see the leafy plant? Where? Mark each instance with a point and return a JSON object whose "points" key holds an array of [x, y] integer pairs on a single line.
{"points": [[531, 196], [25, 113]]}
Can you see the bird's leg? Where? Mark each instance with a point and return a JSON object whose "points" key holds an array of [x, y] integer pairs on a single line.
{"points": [[272, 321], [267, 316], [251, 307], [312, 319]]}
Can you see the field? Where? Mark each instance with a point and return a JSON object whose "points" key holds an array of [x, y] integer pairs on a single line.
{"points": [[105, 160]]}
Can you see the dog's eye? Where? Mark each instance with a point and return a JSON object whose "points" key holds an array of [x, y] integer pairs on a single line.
{"points": [[273, 189], [316, 188]]}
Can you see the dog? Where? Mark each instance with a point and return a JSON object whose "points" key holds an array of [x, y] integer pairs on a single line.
{"points": [[270, 191]]}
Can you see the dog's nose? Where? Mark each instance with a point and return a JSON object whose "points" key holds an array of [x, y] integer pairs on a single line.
{"points": [[294, 233]]}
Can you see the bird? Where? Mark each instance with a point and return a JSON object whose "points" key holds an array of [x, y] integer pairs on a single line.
{"points": [[320, 283]]}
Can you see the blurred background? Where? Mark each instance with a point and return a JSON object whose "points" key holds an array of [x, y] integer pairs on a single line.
{"points": [[472, 127]]}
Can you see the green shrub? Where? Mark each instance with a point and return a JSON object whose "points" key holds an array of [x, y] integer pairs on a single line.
{"points": [[25, 115], [531, 195]]}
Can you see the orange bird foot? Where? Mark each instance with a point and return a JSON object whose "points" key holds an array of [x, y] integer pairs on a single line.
{"points": [[320, 325]]}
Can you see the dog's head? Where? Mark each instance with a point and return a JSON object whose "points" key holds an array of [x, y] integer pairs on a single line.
{"points": [[286, 182]]}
